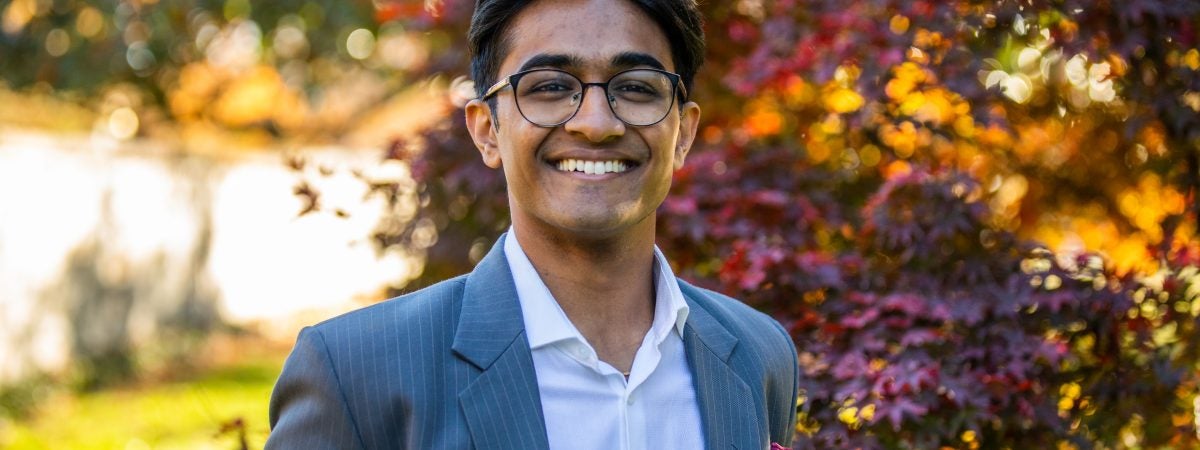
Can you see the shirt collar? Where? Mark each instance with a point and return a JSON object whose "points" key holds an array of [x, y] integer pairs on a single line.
{"points": [[545, 321], [669, 297]]}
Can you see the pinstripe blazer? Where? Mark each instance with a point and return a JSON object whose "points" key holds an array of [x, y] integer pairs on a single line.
{"points": [[449, 367]]}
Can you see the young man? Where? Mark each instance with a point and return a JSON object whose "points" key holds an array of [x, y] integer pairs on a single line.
{"points": [[572, 332]]}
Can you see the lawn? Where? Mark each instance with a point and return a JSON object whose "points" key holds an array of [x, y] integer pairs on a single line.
{"points": [[199, 410]]}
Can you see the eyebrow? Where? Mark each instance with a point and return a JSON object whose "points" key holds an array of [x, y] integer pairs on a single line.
{"points": [[627, 60], [623, 60], [554, 60]]}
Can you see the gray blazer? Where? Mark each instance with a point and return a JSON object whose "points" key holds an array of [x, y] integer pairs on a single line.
{"points": [[449, 367]]}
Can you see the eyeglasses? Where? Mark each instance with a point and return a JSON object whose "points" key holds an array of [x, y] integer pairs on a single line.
{"points": [[551, 97]]}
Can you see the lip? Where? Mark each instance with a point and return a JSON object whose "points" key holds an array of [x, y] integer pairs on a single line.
{"points": [[592, 177]]}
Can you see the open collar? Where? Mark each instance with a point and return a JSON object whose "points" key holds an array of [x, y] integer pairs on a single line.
{"points": [[502, 406], [545, 321]]}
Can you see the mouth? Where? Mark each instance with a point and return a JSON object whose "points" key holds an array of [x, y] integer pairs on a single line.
{"points": [[594, 167]]}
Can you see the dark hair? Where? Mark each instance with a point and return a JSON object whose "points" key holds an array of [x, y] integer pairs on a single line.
{"points": [[489, 39]]}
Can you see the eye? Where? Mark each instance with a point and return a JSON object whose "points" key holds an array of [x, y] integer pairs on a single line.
{"points": [[632, 87], [634, 91], [550, 86]]}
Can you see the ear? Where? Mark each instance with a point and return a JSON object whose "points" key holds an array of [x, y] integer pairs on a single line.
{"points": [[480, 125], [689, 120]]}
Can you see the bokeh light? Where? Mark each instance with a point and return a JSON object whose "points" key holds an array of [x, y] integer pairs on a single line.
{"points": [[360, 44], [123, 123]]}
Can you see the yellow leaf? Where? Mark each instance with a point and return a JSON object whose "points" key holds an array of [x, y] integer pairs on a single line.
{"points": [[1070, 390], [896, 170], [832, 124], [968, 436], [898, 24], [843, 100], [936, 108], [868, 412], [897, 88], [848, 415], [1065, 404], [902, 139], [964, 126]]}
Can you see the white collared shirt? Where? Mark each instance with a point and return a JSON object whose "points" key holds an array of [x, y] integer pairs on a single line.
{"points": [[587, 403]]}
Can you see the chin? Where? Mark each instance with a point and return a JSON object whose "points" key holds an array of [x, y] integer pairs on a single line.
{"points": [[600, 224], [593, 226]]}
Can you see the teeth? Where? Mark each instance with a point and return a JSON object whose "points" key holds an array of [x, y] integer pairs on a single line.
{"points": [[592, 167]]}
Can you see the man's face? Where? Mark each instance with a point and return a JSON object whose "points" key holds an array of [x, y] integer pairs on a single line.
{"points": [[593, 40]]}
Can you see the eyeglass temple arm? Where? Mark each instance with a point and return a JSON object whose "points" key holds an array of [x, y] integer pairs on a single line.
{"points": [[495, 88]]}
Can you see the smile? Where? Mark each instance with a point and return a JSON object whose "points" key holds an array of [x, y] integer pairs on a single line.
{"points": [[592, 167]]}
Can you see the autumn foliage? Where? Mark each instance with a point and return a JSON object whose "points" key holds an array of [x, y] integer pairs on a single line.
{"points": [[975, 218]]}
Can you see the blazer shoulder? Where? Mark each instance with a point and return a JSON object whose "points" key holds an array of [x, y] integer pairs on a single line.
{"points": [[430, 305], [749, 325], [730, 311]]}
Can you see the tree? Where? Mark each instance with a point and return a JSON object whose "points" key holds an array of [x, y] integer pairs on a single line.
{"points": [[873, 173], [977, 219]]}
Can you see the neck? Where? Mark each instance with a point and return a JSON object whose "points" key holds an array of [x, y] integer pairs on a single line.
{"points": [[604, 285]]}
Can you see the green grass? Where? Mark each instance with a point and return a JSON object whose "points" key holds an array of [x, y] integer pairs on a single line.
{"points": [[187, 414]]}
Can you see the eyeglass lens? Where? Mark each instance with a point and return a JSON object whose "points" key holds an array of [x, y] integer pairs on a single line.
{"points": [[551, 97]]}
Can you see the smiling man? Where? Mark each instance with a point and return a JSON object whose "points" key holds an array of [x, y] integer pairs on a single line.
{"points": [[573, 332]]}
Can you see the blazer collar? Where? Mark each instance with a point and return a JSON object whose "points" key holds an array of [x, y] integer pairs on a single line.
{"points": [[724, 397], [490, 321], [712, 333], [502, 407]]}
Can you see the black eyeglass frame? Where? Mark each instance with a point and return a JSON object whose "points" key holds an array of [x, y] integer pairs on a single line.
{"points": [[677, 89]]}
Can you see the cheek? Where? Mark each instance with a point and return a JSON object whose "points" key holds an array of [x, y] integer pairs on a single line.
{"points": [[519, 142], [664, 140]]}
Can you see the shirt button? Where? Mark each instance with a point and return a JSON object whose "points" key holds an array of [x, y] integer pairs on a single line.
{"points": [[629, 400]]}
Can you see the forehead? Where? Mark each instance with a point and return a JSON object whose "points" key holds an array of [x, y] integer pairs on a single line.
{"points": [[591, 32]]}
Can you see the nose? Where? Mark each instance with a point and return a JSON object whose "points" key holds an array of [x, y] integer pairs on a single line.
{"points": [[595, 120]]}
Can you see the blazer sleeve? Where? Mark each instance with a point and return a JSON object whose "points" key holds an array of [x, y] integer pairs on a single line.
{"points": [[785, 429], [308, 409]]}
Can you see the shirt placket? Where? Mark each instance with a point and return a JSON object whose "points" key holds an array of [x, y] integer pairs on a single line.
{"points": [[618, 385]]}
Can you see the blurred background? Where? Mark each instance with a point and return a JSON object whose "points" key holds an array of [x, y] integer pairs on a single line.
{"points": [[156, 265], [977, 218]]}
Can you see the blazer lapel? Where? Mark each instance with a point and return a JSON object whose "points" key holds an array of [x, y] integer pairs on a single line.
{"points": [[725, 403], [502, 406]]}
